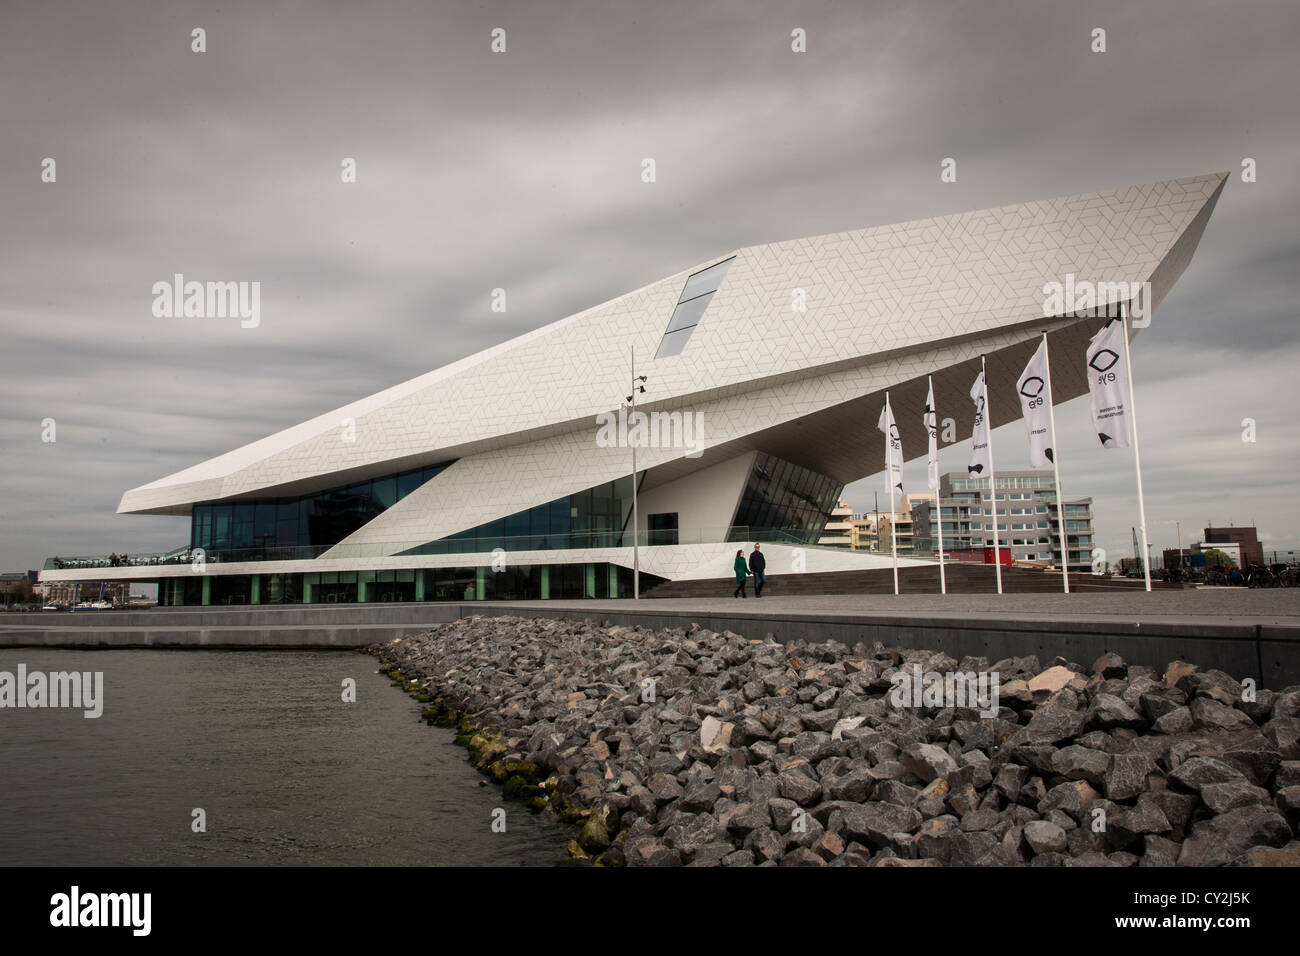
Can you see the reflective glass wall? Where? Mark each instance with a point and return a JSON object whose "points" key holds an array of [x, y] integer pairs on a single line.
{"points": [[593, 518], [782, 495], [302, 527], [470, 583]]}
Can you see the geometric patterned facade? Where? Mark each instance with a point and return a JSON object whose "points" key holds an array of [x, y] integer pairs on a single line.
{"points": [[883, 307]]}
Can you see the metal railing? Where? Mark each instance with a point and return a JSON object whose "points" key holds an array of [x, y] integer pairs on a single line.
{"points": [[177, 556]]}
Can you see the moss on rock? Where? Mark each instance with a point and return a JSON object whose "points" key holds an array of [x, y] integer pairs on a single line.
{"points": [[593, 837], [518, 786], [484, 749], [571, 814], [519, 779], [524, 768]]}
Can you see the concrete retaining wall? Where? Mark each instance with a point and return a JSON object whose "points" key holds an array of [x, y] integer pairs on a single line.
{"points": [[1268, 652]]}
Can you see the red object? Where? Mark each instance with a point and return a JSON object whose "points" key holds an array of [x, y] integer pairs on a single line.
{"points": [[981, 555]]}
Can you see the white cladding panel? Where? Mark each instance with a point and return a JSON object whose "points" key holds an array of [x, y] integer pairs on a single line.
{"points": [[751, 363]]}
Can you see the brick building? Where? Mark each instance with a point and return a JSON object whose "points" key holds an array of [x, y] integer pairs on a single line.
{"points": [[1252, 552]]}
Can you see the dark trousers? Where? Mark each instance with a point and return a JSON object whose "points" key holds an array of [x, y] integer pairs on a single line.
{"points": [[740, 588], [760, 577]]}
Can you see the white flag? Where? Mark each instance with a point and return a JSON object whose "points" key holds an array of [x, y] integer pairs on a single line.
{"points": [[979, 466], [893, 448], [1108, 383], [1034, 400], [929, 417]]}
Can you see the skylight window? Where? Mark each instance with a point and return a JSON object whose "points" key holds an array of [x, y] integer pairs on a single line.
{"points": [[694, 299]]}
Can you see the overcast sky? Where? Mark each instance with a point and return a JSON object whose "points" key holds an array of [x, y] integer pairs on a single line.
{"points": [[522, 170]]}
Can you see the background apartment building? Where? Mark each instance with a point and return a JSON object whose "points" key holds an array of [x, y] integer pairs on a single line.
{"points": [[839, 529], [1027, 520], [871, 530]]}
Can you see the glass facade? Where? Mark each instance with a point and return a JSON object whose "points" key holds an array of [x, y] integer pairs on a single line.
{"points": [[662, 528], [783, 496], [470, 583], [270, 529], [593, 518]]}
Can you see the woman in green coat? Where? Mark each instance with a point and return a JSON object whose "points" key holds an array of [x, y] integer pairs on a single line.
{"points": [[742, 572]]}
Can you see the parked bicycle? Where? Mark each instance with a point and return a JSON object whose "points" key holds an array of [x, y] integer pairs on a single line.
{"points": [[1258, 576]]}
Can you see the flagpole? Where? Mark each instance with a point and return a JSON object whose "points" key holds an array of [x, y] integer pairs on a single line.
{"points": [[993, 484], [943, 582], [938, 499], [1137, 456], [636, 549], [1056, 464], [893, 522]]}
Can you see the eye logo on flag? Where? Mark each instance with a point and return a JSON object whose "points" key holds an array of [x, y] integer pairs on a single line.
{"points": [[1034, 406], [980, 463], [893, 448], [1103, 360], [1108, 385], [1032, 386], [930, 418]]}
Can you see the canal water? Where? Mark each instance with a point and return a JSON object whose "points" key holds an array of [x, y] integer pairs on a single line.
{"points": [[285, 772]]}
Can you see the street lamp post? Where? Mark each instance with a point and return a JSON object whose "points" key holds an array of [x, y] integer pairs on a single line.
{"points": [[1178, 526], [638, 386]]}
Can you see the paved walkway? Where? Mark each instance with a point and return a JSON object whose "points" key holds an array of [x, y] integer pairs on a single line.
{"points": [[1235, 606]]}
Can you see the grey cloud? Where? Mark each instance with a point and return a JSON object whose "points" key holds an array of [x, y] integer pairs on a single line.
{"points": [[521, 171]]}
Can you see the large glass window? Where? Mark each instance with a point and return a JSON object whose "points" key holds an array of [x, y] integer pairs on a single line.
{"points": [[688, 314], [595, 517], [281, 589], [662, 528], [384, 491], [691, 304], [674, 342], [221, 519], [264, 524], [407, 482], [705, 281], [786, 497], [242, 536], [301, 527], [231, 589]]}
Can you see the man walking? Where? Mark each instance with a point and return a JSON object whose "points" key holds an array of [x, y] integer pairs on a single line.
{"points": [[757, 567]]}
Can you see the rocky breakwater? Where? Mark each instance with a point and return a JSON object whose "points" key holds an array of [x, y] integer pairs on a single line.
{"points": [[669, 747]]}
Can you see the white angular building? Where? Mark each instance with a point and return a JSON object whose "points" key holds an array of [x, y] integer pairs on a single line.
{"points": [[765, 369]]}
